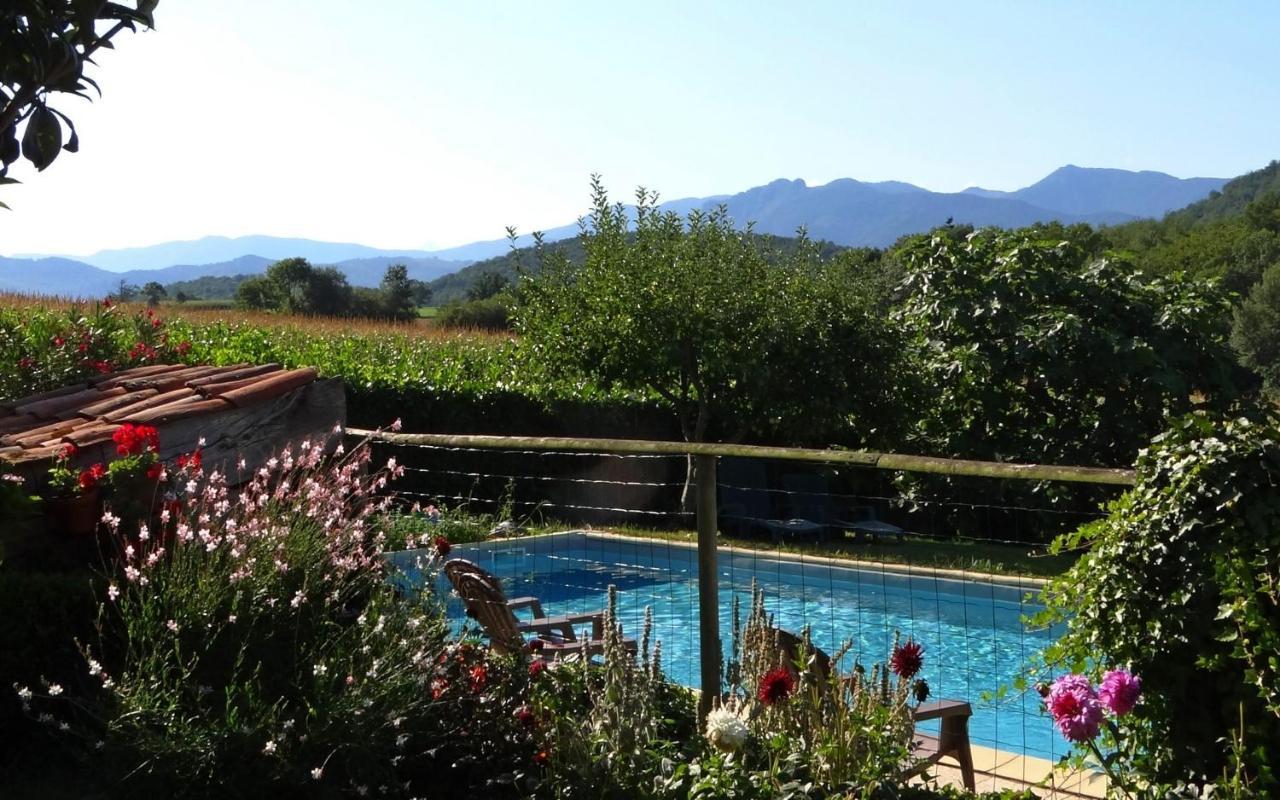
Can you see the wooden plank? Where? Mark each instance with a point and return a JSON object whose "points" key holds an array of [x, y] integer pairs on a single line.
{"points": [[865, 458]]}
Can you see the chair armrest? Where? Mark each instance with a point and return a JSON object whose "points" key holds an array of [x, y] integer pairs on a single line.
{"points": [[942, 708], [532, 603]]}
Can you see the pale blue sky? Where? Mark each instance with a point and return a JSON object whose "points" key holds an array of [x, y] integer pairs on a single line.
{"points": [[411, 124]]}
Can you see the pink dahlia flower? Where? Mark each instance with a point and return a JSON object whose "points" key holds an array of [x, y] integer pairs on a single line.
{"points": [[1075, 709], [1119, 691]]}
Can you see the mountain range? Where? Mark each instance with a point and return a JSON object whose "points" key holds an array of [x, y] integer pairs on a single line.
{"points": [[845, 211]]}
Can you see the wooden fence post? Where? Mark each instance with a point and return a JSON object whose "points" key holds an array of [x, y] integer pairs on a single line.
{"points": [[708, 585]]}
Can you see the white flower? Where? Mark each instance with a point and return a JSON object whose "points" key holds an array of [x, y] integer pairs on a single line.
{"points": [[726, 730], [143, 533], [54, 690], [94, 667], [396, 425], [24, 694], [269, 747], [317, 773], [200, 442], [402, 740]]}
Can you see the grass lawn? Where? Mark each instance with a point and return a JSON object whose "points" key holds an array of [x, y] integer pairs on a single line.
{"points": [[428, 312], [1000, 559]]}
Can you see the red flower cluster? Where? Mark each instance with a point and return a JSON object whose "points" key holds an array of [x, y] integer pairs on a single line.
{"points": [[191, 461], [525, 716], [907, 659], [68, 451], [182, 348], [155, 471], [442, 546], [776, 686], [479, 678], [141, 351], [537, 667], [89, 478], [26, 362], [133, 440]]}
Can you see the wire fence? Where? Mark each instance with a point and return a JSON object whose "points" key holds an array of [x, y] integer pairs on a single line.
{"points": [[852, 551]]}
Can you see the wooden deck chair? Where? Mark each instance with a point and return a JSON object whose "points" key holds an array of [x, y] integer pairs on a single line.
{"points": [[485, 602], [952, 740], [789, 649]]}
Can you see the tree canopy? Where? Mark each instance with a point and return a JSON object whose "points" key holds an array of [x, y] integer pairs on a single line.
{"points": [[294, 286], [1030, 348], [44, 48], [740, 341]]}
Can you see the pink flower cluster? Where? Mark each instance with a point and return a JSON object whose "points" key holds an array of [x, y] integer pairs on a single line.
{"points": [[1077, 708]]}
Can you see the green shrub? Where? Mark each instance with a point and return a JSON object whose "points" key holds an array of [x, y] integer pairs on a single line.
{"points": [[488, 313], [1180, 585], [47, 347]]}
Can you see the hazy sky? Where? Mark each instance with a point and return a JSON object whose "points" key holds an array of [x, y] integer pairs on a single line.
{"points": [[400, 123]]}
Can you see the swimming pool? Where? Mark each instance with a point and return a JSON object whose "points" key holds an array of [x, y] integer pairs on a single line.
{"points": [[972, 631]]}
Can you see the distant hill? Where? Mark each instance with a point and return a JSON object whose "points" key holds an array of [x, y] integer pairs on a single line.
{"points": [[1234, 197], [1089, 191], [865, 214], [63, 276], [847, 212], [221, 249]]}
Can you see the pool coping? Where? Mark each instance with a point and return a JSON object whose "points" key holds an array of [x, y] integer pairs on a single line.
{"points": [[1014, 581]]}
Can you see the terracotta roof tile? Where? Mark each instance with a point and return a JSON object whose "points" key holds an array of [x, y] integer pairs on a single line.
{"points": [[52, 393], [87, 413], [137, 373], [191, 407], [20, 422], [54, 406], [125, 413], [34, 437], [239, 372], [92, 433], [119, 401], [270, 385]]}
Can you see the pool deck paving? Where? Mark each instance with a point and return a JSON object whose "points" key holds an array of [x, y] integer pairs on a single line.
{"points": [[997, 769]]}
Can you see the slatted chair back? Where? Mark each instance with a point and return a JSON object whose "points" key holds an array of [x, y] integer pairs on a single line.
{"points": [[486, 605], [455, 567], [790, 647]]}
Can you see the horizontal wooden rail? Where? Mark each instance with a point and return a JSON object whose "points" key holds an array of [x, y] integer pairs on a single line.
{"points": [[863, 458]]}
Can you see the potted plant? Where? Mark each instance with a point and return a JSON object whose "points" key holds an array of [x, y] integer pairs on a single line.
{"points": [[135, 476], [71, 505]]}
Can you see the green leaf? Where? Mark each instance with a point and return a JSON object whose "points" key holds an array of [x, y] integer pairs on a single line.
{"points": [[43, 137]]}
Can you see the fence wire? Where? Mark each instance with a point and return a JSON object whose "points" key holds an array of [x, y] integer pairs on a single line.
{"points": [[852, 554]]}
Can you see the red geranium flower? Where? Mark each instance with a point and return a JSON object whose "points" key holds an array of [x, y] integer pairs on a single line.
{"points": [[442, 546], [155, 471], [907, 659], [58, 341], [776, 686], [537, 667], [541, 757], [479, 678], [89, 478], [68, 450]]}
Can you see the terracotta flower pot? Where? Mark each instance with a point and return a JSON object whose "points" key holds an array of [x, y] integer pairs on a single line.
{"points": [[74, 516]]}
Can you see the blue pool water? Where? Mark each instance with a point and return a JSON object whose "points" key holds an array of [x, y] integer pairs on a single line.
{"points": [[973, 634]]}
